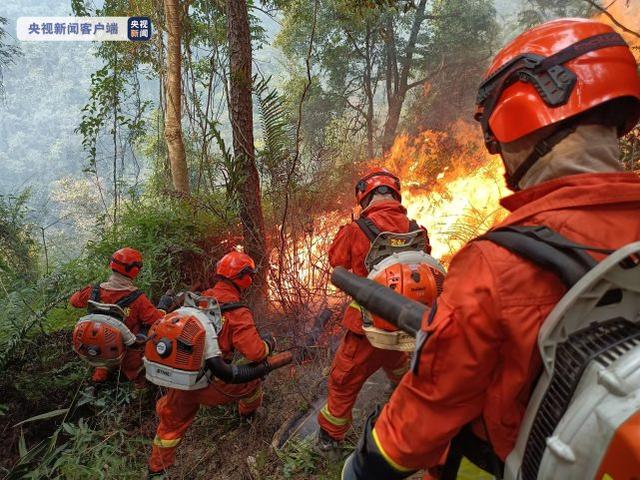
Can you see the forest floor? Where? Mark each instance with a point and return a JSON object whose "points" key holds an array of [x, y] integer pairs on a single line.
{"points": [[107, 432]]}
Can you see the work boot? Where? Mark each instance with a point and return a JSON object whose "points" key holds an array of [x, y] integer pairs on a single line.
{"points": [[257, 416], [328, 446], [100, 375], [161, 475]]}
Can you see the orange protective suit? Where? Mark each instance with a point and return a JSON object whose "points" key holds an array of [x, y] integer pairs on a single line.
{"points": [[356, 360], [481, 360], [177, 410], [138, 314]]}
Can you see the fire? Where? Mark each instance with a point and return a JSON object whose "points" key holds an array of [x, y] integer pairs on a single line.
{"points": [[449, 184]]}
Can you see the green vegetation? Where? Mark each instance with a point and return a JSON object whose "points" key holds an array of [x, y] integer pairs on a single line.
{"points": [[87, 168]]}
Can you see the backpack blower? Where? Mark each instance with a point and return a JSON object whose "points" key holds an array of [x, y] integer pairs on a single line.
{"points": [[183, 352], [398, 261], [583, 418], [101, 337]]}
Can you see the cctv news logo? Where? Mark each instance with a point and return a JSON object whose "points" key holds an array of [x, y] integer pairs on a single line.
{"points": [[87, 29]]}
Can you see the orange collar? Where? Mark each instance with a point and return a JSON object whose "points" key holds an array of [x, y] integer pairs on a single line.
{"points": [[580, 190]]}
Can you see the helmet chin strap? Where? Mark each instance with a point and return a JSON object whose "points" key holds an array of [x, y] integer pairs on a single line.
{"points": [[542, 148]]}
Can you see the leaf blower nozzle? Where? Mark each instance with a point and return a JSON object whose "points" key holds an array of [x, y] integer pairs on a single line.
{"points": [[279, 360], [404, 313]]}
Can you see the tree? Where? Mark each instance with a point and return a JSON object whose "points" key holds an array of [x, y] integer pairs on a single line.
{"points": [[7, 52], [398, 72], [173, 92], [241, 113]]}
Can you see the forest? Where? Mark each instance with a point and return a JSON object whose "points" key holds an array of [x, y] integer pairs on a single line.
{"points": [[240, 124]]}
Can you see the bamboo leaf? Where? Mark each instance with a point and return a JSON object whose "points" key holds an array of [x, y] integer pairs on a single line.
{"points": [[44, 416]]}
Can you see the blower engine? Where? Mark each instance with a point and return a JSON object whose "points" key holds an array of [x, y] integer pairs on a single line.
{"points": [[413, 274], [183, 351], [101, 338], [583, 418]]}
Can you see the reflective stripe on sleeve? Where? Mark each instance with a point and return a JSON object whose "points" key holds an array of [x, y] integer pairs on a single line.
{"points": [[337, 421], [355, 305], [159, 442], [386, 456]]}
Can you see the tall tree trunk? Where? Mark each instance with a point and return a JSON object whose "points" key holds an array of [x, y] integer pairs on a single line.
{"points": [[173, 91], [394, 109], [369, 94], [241, 110], [397, 80]]}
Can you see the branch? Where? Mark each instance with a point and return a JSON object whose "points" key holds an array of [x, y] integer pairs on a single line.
{"points": [[612, 18], [411, 44], [428, 77]]}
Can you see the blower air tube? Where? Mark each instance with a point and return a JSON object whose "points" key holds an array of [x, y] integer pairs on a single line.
{"points": [[246, 373], [404, 313]]}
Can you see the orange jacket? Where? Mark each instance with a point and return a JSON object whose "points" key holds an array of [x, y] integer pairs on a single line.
{"points": [[238, 330], [481, 359], [140, 312], [351, 246]]}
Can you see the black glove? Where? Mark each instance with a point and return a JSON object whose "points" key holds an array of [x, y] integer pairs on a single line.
{"points": [[367, 461], [167, 301], [270, 341]]}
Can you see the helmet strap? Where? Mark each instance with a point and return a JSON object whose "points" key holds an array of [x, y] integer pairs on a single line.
{"points": [[542, 148], [553, 82]]}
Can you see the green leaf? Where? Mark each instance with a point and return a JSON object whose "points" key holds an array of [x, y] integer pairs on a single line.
{"points": [[44, 416]]}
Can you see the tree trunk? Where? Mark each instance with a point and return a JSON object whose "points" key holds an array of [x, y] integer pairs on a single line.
{"points": [[369, 94], [173, 91], [241, 111], [392, 121], [397, 80]]}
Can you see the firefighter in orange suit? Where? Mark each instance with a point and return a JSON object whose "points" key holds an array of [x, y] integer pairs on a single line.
{"points": [[125, 265], [378, 192], [177, 410], [474, 373]]}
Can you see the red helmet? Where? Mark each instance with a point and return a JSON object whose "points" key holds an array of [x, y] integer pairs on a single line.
{"points": [[126, 261], [379, 179], [553, 72], [237, 267]]}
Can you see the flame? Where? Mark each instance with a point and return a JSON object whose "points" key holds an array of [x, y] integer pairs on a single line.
{"points": [[450, 185]]}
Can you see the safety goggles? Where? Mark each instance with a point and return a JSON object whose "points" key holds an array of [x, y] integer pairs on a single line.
{"points": [[246, 271], [552, 80], [128, 266]]}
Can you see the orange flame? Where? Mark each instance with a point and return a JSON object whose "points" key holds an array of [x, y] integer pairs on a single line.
{"points": [[450, 185]]}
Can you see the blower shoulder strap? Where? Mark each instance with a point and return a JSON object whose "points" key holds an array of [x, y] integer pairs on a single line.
{"points": [[124, 302], [228, 307], [548, 249], [368, 227], [372, 231], [95, 293]]}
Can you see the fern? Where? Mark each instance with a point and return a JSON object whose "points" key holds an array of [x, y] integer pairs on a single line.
{"points": [[277, 132]]}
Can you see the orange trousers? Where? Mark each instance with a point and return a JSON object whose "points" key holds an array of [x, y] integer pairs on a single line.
{"points": [[355, 361], [178, 408], [131, 367]]}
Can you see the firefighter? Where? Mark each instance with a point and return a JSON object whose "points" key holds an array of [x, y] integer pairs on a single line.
{"points": [[378, 193], [125, 264], [177, 410], [473, 375]]}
